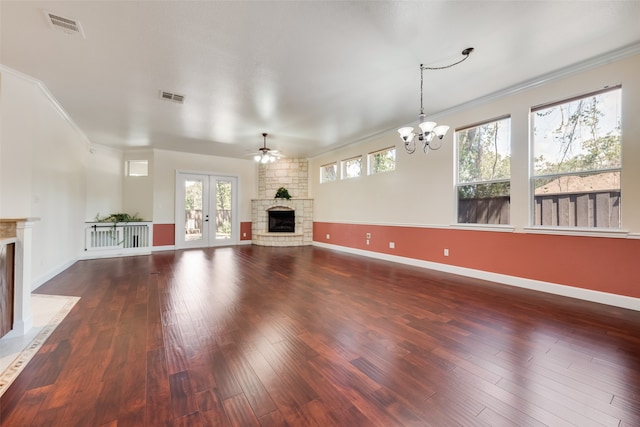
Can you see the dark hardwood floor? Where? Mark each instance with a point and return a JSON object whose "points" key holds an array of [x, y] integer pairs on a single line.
{"points": [[248, 336]]}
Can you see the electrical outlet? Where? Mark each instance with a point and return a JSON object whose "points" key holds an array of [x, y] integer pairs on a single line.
{"points": [[244, 234], [328, 236], [368, 235], [446, 252], [367, 242], [392, 245]]}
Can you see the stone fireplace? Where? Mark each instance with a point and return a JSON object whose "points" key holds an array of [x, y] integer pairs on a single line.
{"points": [[293, 218]]}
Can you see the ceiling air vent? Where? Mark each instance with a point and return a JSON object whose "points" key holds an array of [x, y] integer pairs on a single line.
{"points": [[67, 25], [172, 97]]}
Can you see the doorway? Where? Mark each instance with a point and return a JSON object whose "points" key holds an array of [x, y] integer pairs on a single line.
{"points": [[206, 210]]}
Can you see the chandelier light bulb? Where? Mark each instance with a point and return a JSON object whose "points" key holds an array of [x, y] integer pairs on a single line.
{"points": [[406, 134], [441, 130], [427, 127]]}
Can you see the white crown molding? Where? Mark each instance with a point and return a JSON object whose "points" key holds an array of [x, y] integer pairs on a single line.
{"points": [[45, 91]]}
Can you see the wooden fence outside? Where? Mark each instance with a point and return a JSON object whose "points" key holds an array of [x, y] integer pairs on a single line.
{"points": [[585, 209], [492, 210]]}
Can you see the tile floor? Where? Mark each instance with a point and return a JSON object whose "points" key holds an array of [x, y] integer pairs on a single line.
{"points": [[16, 351]]}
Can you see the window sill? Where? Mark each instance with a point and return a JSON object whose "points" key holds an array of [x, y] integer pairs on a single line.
{"points": [[484, 227], [582, 232]]}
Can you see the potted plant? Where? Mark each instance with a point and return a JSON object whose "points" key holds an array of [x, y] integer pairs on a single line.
{"points": [[282, 193], [115, 219]]}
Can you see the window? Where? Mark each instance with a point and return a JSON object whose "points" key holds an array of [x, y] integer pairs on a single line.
{"points": [[328, 173], [382, 161], [484, 171], [352, 168], [577, 161], [137, 168]]}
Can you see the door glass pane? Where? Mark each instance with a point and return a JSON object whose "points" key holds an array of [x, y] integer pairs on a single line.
{"points": [[193, 190], [223, 209]]}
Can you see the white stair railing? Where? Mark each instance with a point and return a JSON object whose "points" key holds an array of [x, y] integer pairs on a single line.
{"points": [[117, 239]]}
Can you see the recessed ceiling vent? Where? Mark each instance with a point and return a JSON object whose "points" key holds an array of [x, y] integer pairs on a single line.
{"points": [[168, 96], [67, 25]]}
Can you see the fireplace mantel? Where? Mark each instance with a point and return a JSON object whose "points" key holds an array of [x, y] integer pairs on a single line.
{"points": [[303, 234]]}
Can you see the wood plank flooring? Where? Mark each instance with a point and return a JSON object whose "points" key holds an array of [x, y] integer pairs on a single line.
{"points": [[258, 336]]}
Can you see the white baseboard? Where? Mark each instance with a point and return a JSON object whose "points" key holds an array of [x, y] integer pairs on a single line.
{"points": [[173, 247], [163, 248], [35, 284], [536, 285], [111, 253], [19, 328]]}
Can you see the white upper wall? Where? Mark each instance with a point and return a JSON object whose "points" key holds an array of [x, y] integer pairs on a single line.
{"points": [[421, 191], [166, 163], [104, 182], [43, 161], [138, 194]]}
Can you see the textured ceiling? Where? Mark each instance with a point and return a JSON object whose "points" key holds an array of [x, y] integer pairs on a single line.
{"points": [[313, 74]]}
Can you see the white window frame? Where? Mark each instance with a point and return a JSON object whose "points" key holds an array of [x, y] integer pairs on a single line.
{"points": [[534, 176], [322, 175], [477, 182], [344, 165], [370, 160], [136, 168]]}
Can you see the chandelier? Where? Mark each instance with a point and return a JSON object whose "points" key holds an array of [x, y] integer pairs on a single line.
{"points": [[266, 155], [429, 133]]}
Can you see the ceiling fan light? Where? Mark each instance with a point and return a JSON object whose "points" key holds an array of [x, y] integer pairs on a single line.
{"points": [[266, 154]]}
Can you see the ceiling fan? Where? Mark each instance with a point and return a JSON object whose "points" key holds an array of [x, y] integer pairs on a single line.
{"points": [[266, 154]]}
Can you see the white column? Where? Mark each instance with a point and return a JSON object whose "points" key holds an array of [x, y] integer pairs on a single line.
{"points": [[22, 320]]}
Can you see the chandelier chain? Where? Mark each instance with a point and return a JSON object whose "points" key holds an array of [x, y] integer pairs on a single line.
{"points": [[421, 84], [466, 54]]}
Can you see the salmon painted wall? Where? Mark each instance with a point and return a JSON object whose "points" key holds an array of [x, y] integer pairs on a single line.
{"points": [[603, 264], [245, 230], [164, 234]]}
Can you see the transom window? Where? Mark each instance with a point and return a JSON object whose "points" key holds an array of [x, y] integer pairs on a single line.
{"points": [[137, 168], [352, 168], [328, 172], [484, 171], [577, 161], [382, 161]]}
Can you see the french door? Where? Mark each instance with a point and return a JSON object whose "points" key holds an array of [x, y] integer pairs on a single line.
{"points": [[206, 210]]}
